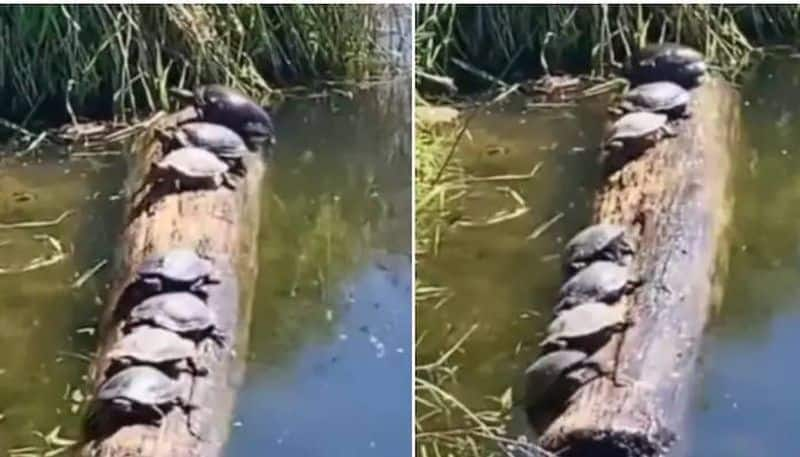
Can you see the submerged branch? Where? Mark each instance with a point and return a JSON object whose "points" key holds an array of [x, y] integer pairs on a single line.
{"points": [[38, 224], [55, 257]]}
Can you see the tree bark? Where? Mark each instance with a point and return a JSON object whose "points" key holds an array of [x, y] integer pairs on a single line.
{"points": [[223, 225], [675, 200]]}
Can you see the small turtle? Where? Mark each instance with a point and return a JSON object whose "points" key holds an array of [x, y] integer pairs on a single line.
{"points": [[220, 140], [193, 168], [674, 62], [154, 347], [587, 327], [546, 379], [601, 281], [178, 270], [180, 312], [597, 242], [633, 133], [137, 395], [658, 97], [229, 107]]}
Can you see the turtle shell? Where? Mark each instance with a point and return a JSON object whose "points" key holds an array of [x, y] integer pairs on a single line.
{"points": [[194, 162], [546, 371], [180, 265], [597, 242], [669, 53], [181, 312], [227, 106], [583, 322], [637, 125], [660, 96], [601, 281], [680, 64], [152, 344], [140, 384], [216, 138]]}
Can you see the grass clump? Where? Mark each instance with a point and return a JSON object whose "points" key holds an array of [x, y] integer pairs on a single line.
{"points": [[121, 59], [460, 41]]}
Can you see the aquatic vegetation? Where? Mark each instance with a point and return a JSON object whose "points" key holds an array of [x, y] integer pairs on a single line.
{"points": [[475, 43], [122, 59], [439, 184]]}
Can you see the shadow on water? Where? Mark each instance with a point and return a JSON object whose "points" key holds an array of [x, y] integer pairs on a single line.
{"points": [[745, 402], [330, 336], [330, 362]]}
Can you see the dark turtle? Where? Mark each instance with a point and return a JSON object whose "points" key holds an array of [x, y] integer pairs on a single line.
{"points": [[178, 270], [180, 312], [601, 281], [193, 168], [229, 107], [545, 379], [673, 62], [137, 395], [220, 140], [154, 347], [658, 97], [586, 327], [597, 242]]}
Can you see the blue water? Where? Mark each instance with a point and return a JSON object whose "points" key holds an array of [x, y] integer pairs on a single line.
{"points": [[329, 371]]}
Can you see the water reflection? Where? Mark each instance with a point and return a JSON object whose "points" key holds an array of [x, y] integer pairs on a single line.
{"points": [[331, 332], [746, 402]]}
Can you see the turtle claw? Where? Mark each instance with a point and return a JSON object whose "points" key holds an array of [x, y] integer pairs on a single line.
{"points": [[227, 183], [219, 338]]}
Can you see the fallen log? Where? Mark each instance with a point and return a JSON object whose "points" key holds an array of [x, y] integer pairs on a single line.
{"points": [[674, 200], [220, 224]]}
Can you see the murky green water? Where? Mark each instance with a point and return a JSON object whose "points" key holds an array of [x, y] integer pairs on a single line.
{"points": [[745, 404], [330, 340]]}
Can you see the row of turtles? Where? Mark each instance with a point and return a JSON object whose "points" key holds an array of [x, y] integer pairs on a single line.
{"points": [[597, 265], [209, 151], [154, 363], [661, 77]]}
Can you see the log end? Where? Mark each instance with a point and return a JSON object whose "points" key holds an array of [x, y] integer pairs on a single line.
{"points": [[595, 442]]}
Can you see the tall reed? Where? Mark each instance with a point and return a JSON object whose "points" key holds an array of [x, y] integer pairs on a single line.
{"points": [[121, 59], [520, 41]]}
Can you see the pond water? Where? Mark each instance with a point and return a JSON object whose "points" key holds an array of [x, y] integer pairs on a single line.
{"points": [[330, 337], [745, 401]]}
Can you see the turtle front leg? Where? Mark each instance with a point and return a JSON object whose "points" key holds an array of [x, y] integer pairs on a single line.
{"points": [[219, 338], [226, 181], [195, 369]]}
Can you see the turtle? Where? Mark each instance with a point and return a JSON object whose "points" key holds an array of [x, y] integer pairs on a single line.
{"points": [[601, 281], [137, 395], [229, 107], [597, 242], [658, 97], [633, 133], [178, 270], [154, 347], [222, 141], [673, 62], [180, 312], [193, 168], [546, 379], [587, 327]]}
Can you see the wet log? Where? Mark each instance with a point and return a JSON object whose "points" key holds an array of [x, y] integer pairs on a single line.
{"points": [[674, 199], [220, 224]]}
